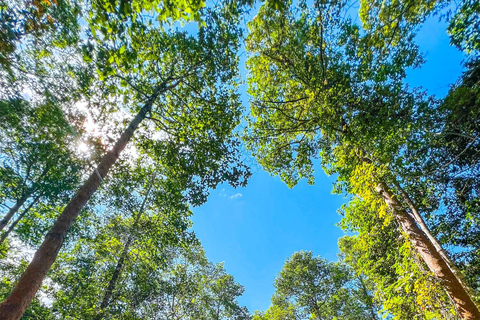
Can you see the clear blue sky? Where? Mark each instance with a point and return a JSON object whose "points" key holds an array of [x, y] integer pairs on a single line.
{"points": [[255, 229]]}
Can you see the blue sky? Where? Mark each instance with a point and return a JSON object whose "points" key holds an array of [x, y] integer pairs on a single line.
{"points": [[253, 230]]}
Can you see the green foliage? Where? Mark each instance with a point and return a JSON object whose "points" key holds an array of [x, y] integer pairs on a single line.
{"points": [[276, 313], [402, 285], [464, 25], [443, 170], [11, 268], [392, 20], [323, 88], [44, 25], [313, 288], [191, 123], [171, 281], [313, 78], [122, 61], [37, 165]]}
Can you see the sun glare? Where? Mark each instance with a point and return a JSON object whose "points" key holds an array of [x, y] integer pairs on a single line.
{"points": [[83, 148]]}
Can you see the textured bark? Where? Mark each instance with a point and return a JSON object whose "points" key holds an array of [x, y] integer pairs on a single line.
{"points": [[13, 307], [464, 304], [20, 217], [118, 269], [423, 226]]}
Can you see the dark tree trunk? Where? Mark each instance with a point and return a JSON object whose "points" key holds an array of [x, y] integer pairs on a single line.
{"points": [[369, 300], [113, 281], [13, 307], [464, 304]]}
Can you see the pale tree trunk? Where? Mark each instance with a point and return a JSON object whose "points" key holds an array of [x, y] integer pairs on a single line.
{"points": [[11, 212], [464, 304], [20, 217], [118, 268], [20, 201], [423, 226], [13, 307]]}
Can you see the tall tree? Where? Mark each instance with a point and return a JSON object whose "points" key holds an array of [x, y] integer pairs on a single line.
{"points": [[441, 170], [310, 287], [456, 169], [185, 84], [138, 233], [37, 163], [322, 86], [160, 279], [193, 289], [387, 260], [11, 268], [40, 127]]}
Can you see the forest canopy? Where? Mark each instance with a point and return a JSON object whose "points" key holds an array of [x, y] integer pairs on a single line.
{"points": [[118, 117]]}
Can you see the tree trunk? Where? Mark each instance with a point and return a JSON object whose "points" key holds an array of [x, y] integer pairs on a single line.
{"points": [[20, 217], [423, 226], [113, 281], [13, 210], [464, 304], [13, 307], [369, 300]]}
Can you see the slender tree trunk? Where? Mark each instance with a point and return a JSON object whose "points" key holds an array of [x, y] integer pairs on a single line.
{"points": [[436, 244], [369, 300], [314, 306], [20, 217], [464, 304], [13, 307], [113, 281], [13, 210]]}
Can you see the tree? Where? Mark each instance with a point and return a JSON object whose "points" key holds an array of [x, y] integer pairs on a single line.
{"points": [[184, 84], [443, 168], [444, 183], [321, 86], [9, 270], [37, 165], [310, 287], [142, 230], [276, 313], [39, 24], [401, 283], [460, 160], [194, 289], [172, 281], [393, 19]]}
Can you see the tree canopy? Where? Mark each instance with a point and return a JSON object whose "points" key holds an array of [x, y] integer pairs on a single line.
{"points": [[321, 87], [311, 287], [118, 117]]}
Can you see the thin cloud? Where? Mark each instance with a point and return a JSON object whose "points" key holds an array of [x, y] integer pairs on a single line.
{"points": [[238, 195], [222, 193]]}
